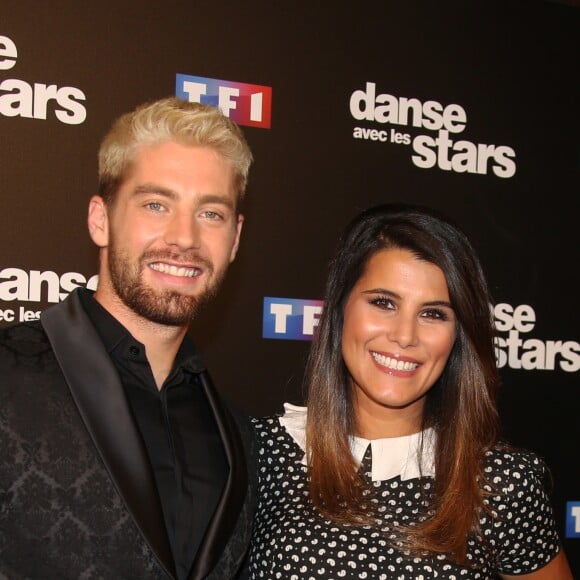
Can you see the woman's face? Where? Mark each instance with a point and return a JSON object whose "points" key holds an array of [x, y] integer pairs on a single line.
{"points": [[399, 329]]}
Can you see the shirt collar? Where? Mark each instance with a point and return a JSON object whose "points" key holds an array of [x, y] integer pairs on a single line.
{"points": [[409, 457], [113, 333]]}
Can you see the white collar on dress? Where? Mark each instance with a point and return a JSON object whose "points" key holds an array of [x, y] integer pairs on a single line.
{"points": [[392, 456]]}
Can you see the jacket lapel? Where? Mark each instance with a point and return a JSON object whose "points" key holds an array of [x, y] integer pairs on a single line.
{"points": [[100, 399], [220, 528]]}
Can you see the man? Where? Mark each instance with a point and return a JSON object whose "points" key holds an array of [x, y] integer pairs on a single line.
{"points": [[117, 457]]}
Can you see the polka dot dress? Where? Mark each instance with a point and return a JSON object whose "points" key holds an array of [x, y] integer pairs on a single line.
{"points": [[292, 541]]}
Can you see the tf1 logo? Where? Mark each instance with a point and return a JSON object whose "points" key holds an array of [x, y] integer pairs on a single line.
{"points": [[573, 519], [290, 318], [249, 105]]}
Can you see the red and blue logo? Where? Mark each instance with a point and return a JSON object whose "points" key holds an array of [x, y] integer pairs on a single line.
{"points": [[290, 318], [573, 519], [245, 104]]}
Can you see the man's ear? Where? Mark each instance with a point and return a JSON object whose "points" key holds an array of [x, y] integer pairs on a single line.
{"points": [[98, 221], [239, 225]]}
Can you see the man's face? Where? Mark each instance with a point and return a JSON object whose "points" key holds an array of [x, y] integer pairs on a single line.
{"points": [[169, 235]]}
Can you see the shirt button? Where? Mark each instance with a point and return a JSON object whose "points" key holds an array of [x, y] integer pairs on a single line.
{"points": [[134, 350]]}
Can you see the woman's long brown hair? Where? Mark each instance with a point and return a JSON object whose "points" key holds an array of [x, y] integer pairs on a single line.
{"points": [[460, 406]]}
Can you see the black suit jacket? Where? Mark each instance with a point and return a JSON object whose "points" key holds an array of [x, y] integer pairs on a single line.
{"points": [[77, 493]]}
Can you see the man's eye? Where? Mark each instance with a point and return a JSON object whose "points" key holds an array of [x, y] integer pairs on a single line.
{"points": [[155, 206], [212, 215]]}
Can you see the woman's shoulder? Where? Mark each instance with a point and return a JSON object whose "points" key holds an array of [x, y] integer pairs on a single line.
{"points": [[265, 422], [281, 438], [519, 519], [293, 416], [504, 462], [512, 476], [291, 421]]}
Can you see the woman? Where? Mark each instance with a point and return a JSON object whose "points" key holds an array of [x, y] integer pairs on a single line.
{"points": [[396, 470]]}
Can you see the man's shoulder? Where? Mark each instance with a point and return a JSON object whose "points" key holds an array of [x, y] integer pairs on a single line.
{"points": [[24, 339], [26, 358]]}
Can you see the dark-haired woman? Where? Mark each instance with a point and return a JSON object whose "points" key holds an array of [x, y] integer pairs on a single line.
{"points": [[395, 469]]}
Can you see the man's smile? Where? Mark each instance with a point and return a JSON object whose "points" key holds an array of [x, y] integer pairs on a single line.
{"points": [[180, 271]]}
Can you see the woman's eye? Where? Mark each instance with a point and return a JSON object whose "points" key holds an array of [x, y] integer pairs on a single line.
{"points": [[435, 314], [382, 302]]}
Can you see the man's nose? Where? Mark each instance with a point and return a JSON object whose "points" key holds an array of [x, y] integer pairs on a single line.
{"points": [[183, 232]]}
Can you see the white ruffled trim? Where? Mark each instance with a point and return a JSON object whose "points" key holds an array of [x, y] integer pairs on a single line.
{"points": [[392, 456]]}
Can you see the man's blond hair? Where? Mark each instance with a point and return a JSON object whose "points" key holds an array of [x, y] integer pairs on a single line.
{"points": [[170, 119]]}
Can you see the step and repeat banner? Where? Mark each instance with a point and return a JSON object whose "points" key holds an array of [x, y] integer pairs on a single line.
{"points": [[471, 108]]}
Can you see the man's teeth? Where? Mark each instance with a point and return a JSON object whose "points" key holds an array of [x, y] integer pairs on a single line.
{"points": [[393, 363], [174, 270]]}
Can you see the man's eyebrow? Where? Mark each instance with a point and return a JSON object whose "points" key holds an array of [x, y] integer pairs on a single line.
{"points": [[217, 198], [156, 189]]}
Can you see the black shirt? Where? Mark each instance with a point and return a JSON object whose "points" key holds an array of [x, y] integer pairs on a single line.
{"points": [[178, 430]]}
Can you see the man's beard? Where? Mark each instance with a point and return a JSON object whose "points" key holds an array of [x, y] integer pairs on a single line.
{"points": [[161, 306]]}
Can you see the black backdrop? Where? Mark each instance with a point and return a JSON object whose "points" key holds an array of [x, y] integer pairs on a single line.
{"points": [[68, 68]]}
